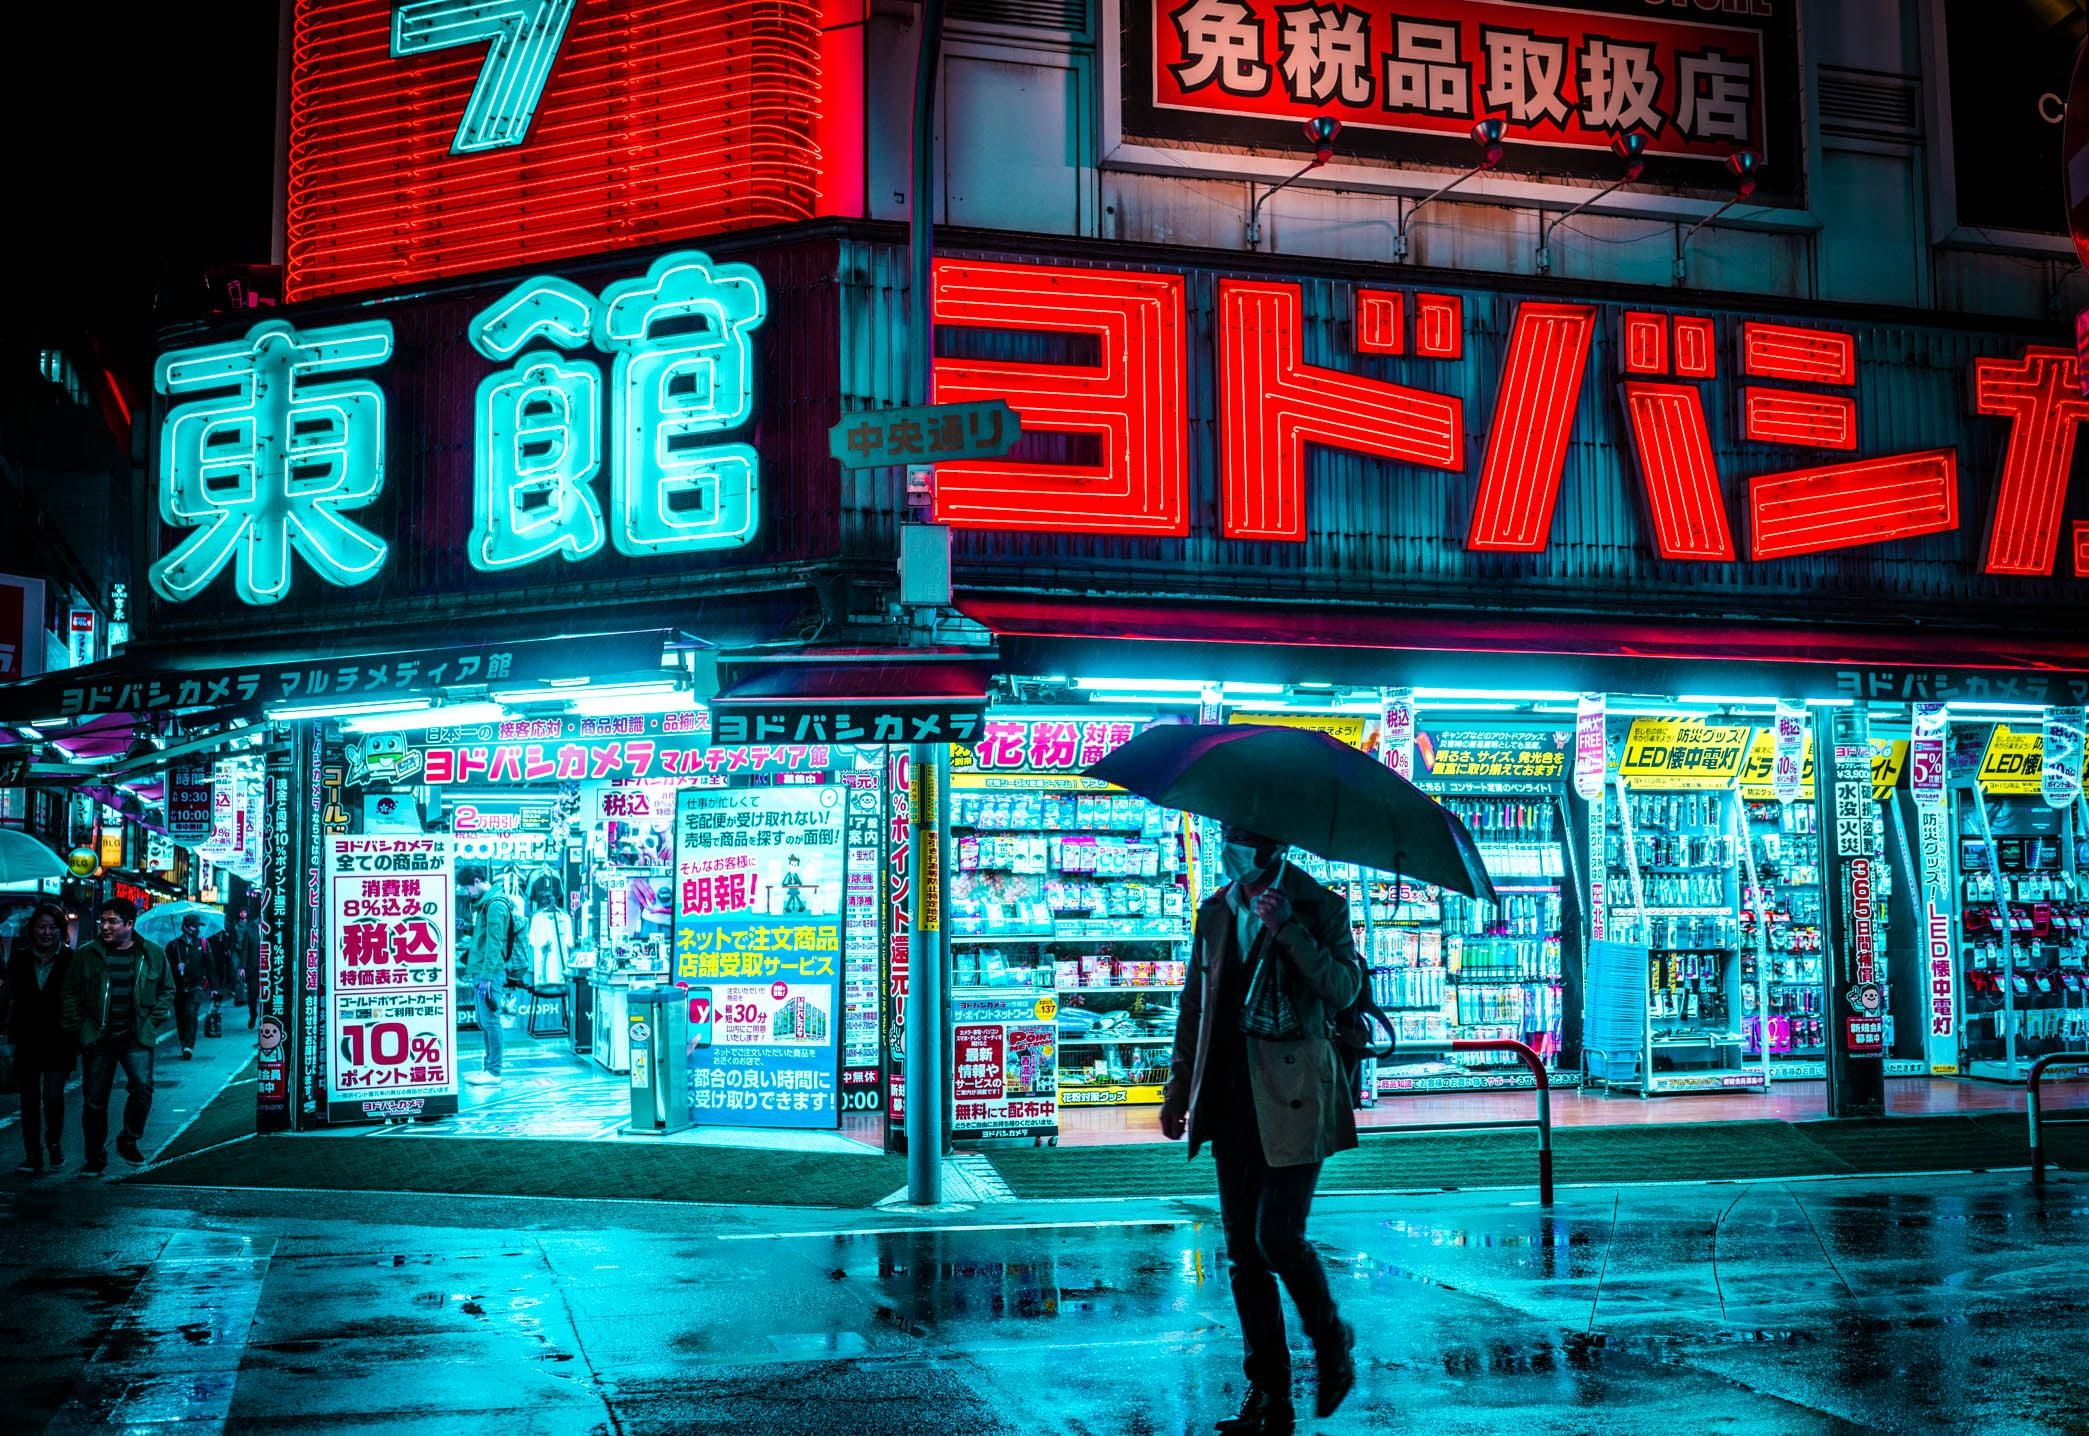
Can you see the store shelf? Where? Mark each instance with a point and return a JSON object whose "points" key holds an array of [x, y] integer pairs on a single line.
{"points": [[1179, 935], [1709, 1039], [1164, 1040], [1146, 987]]}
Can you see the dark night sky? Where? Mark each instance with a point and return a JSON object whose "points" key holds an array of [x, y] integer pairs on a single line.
{"points": [[141, 153]]}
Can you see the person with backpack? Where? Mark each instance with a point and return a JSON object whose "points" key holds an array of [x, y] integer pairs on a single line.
{"points": [[1257, 1073], [497, 938], [190, 961]]}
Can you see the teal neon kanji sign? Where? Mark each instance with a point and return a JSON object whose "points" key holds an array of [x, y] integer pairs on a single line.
{"points": [[269, 454]]}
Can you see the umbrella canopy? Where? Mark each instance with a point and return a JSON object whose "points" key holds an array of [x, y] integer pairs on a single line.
{"points": [[161, 923], [1305, 789], [25, 860]]}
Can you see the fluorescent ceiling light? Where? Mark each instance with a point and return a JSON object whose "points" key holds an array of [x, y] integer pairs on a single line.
{"points": [[348, 710], [1726, 700], [1521, 695], [1831, 702], [1976, 707], [1145, 685], [1229, 687], [595, 706], [454, 715], [564, 692], [1177, 698], [1468, 705]]}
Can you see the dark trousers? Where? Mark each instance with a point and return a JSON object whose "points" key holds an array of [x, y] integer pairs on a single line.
{"points": [[43, 1109], [186, 1008], [1264, 1211], [100, 1079]]}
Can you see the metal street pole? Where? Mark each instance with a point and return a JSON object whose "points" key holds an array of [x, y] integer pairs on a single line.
{"points": [[928, 1006], [1850, 916]]}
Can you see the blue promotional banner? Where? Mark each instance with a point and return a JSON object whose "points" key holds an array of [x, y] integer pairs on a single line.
{"points": [[758, 927]]}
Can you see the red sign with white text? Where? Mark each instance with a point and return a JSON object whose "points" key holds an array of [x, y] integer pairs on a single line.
{"points": [[1697, 80], [1554, 77]]}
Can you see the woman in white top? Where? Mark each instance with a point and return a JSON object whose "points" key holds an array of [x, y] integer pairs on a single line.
{"points": [[550, 932]]}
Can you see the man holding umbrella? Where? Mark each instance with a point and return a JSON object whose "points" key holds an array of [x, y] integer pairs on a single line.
{"points": [[1257, 1075], [1273, 978]]}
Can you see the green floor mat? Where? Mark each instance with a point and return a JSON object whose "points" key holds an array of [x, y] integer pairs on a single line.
{"points": [[526, 1167]]}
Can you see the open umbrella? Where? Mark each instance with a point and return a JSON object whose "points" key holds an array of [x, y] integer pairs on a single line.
{"points": [[161, 923], [25, 860], [1302, 788]]}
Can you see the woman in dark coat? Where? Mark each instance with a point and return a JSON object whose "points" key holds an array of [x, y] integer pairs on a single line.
{"points": [[45, 1052]]}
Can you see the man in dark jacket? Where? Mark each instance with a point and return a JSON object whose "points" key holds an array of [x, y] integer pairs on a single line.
{"points": [[118, 995], [240, 958], [1273, 1106], [45, 1052], [190, 960]]}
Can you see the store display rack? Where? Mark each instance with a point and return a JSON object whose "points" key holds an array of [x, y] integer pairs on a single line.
{"points": [[1676, 858], [2024, 929], [1084, 896], [1445, 967]]}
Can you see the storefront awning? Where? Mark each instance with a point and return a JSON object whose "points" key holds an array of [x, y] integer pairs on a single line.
{"points": [[145, 682], [1358, 646], [854, 696]]}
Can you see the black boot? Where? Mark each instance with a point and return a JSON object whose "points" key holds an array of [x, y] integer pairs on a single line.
{"points": [[1335, 1373], [1262, 1413]]}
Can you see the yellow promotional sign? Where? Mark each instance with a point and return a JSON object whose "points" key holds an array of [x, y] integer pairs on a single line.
{"points": [[112, 847], [1681, 753], [1888, 757], [1110, 1095], [1349, 728], [2010, 767]]}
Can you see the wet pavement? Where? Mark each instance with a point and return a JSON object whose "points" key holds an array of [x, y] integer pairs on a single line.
{"points": [[1899, 1305]]}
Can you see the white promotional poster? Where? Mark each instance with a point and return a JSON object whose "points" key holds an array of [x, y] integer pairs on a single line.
{"points": [[391, 977], [1926, 755], [1588, 745], [757, 938], [1788, 751], [247, 862], [1396, 731], [2060, 774], [223, 843]]}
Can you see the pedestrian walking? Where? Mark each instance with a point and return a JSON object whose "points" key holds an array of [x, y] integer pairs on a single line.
{"points": [[1256, 1074], [497, 943], [223, 975], [240, 948], [46, 1050], [118, 995], [189, 959]]}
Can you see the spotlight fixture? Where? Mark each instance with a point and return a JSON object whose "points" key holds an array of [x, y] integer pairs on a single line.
{"points": [[1629, 146], [1743, 166], [1487, 134], [1320, 132]]}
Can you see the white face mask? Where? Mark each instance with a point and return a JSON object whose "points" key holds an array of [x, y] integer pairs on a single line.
{"points": [[1238, 860]]}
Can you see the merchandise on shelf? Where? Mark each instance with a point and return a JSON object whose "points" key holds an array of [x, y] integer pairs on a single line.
{"points": [[1673, 862], [1445, 967], [1083, 896], [2024, 915]]}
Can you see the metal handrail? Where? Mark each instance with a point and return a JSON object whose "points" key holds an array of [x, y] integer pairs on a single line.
{"points": [[1542, 1122], [2031, 1106]]}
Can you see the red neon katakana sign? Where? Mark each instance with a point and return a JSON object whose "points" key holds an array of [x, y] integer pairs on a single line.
{"points": [[1791, 385]]}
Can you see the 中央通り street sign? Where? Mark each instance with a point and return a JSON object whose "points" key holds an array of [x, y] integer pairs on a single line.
{"points": [[928, 433]]}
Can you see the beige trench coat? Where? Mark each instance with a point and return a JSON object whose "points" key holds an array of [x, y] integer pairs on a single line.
{"points": [[1300, 1104]]}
